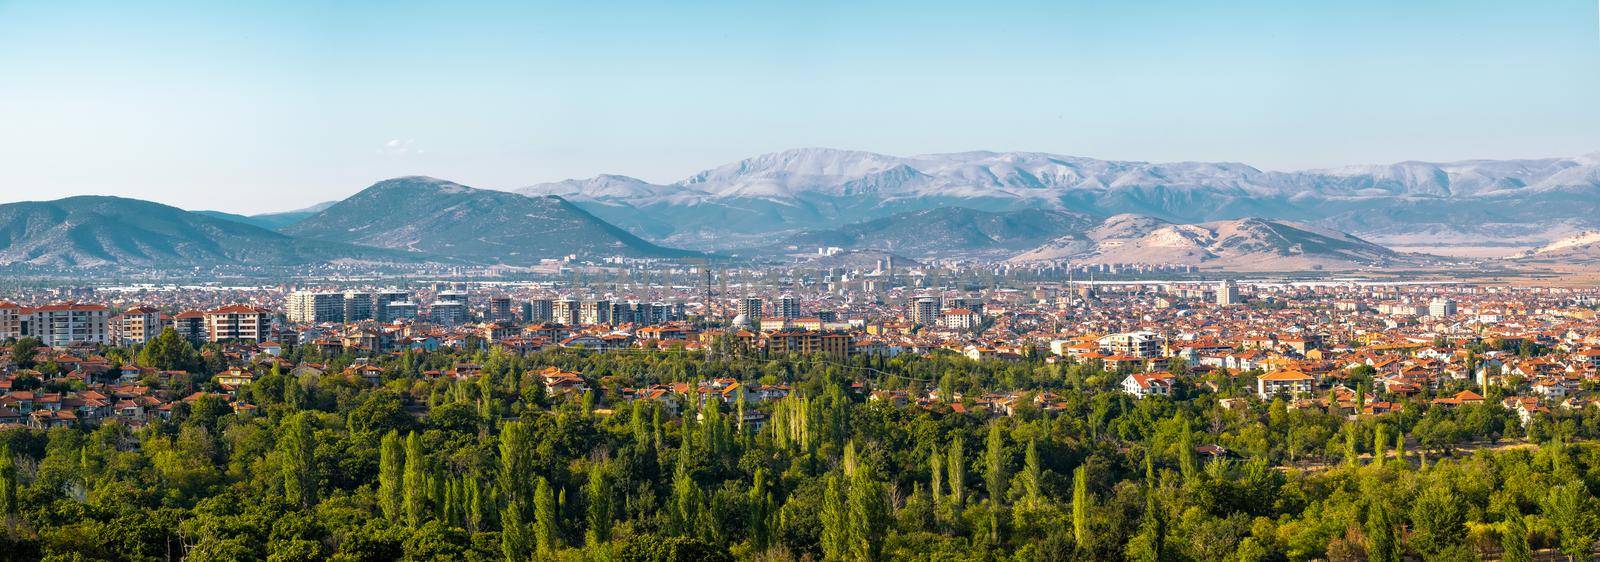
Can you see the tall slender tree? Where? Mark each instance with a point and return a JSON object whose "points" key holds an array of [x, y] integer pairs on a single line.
{"points": [[868, 514], [995, 465], [391, 477], [1032, 476], [598, 495], [8, 482], [1080, 504], [516, 542], [299, 467], [835, 519], [415, 482], [546, 522], [958, 474]]}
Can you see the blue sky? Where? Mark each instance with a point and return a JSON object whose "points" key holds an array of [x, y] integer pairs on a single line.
{"points": [[252, 107]]}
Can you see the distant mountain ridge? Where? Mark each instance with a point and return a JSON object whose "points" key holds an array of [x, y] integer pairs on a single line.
{"points": [[272, 221], [946, 231], [423, 214], [819, 188], [98, 231], [1250, 244]]}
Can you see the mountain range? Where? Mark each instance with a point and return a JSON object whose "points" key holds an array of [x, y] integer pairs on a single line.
{"points": [[1018, 206], [95, 231], [434, 216], [818, 189]]}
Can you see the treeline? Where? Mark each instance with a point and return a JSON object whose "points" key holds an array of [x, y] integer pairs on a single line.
{"points": [[491, 467]]}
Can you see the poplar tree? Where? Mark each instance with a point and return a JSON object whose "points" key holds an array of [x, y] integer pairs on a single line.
{"points": [[391, 475], [415, 482], [1032, 475], [515, 541], [868, 515], [546, 526], [995, 465], [8, 481], [1380, 438], [958, 474], [516, 466], [1186, 461], [1380, 531], [299, 466], [834, 519], [1080, 504], [760, 510], [598, 494], [936, 467], [1514, 538]]}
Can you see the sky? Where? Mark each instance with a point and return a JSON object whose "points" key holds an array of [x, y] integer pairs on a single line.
{"points": [[255, 107]]}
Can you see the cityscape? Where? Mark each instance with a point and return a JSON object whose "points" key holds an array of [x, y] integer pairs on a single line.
{"points": [[799, 282]]}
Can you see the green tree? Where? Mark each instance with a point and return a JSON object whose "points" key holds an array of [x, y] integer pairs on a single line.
{"points": [[1032, 476], [1438, 521], [869, 515], [1514, 538], [516, 542], [391, 477], [546, 522], [169, 351], [1571, 510], [958, 474], [299, 467], [1080, 504], [835, 519], [415, 482], [598, 495], [995, 465], [1382, 545], [8, 481]]}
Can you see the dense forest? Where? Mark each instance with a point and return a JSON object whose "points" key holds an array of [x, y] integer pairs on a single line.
{"points": [[488, 466]]}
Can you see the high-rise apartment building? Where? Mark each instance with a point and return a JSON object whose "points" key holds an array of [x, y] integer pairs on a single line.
{"points": [[312, 307], [70, 323], [384, 301], [924, 311], [538, 310], [238, 323], [358, 306], [1441, 307], [788, 307], [137, 325], [750, 308], [1227, 293]]}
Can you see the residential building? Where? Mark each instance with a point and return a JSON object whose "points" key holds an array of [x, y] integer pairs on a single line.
{"points": [[70, 323], [1227, 293], [314, 307], [137, 325], [239, 323], [1286, 383]]}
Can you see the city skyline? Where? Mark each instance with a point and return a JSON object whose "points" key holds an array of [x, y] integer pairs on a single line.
{"points": [[257, 108]]}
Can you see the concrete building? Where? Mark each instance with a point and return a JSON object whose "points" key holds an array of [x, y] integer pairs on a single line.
{"points": [[314, 307], [448, 313], [1441, 307], [538, 310], [70, 323], [750, 309], [10, 320], [358, 306], [594, 311], [239, 323], [924, 311], [1227, 293], [788, 307], [499, 309], [383, 300], [565, 311], [137, 325], [191, 325]]}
